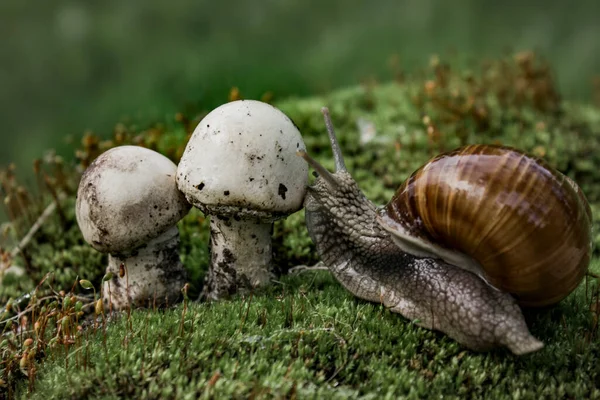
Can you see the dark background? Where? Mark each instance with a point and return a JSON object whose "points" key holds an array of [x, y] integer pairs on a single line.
{"points": [[68, 66]]}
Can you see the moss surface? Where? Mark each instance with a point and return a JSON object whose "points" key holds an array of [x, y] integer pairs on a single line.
{"points": [[306, 336]]}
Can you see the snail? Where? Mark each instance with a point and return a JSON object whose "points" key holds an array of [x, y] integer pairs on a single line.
{"points": [[465, 241]]}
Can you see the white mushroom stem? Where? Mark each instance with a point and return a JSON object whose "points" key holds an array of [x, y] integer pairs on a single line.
{"points": [[240, 256], [150, 275]]}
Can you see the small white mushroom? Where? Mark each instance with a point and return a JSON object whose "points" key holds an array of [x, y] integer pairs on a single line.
{"points": [[128, 206], [240, 167]]}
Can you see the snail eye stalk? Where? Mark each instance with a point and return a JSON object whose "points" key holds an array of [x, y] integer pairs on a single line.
{"points": [[335, 146], [321, 170]]}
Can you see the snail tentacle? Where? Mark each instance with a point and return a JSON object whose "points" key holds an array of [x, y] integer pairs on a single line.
{"points": [[321, 170], [340, 165]]}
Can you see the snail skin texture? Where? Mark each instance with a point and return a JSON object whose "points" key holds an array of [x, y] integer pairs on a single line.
{"points": [[459, 235]]}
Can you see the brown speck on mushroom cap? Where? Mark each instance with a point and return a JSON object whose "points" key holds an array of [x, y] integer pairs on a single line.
{"points": [[282, 190]]}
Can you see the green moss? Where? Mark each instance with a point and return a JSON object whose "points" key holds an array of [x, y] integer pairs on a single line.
{"points": [[306, 336], [309, 337]]}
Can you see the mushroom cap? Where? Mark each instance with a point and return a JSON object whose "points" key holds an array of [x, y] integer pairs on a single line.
{"points": [[127, 197], [241, 161]]}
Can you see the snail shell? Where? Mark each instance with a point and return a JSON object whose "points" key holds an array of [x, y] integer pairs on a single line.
{"points": [[522, 226]]}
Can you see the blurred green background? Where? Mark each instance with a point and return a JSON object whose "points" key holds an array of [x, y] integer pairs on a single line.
{"points": [[68, 66]]}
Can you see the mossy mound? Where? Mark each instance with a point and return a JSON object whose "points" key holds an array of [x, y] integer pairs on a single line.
{"points": [[308, 338], [305, 336]]}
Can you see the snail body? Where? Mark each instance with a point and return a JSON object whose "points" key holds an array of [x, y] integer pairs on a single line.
{"points": [[426, 254]]}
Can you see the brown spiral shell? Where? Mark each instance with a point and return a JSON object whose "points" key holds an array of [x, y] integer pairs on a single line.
{"points": [[527, 225]]}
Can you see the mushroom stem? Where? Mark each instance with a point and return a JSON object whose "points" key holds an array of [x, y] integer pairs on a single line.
{"points": [[150, 275], [240, 257]]}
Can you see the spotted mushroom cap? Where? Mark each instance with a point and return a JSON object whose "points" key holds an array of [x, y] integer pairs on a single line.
{"points": [[127, 197], [241, 161]]}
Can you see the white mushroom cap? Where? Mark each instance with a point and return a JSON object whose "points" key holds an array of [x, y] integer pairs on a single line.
{"points": [[241, 160], [127, 197]]}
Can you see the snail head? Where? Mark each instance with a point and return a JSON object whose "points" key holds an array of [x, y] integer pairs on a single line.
{"points": [[333, 180], [332, 189]]}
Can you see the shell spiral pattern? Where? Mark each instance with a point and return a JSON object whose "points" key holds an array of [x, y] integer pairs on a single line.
{"points": [[527, 225]]}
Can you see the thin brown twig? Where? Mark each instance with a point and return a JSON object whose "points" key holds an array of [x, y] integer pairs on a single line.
{"points": [[29, 235]]}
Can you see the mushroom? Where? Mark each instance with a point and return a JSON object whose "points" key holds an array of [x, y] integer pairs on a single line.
{"points": [[240, 167], [128, 206]]}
